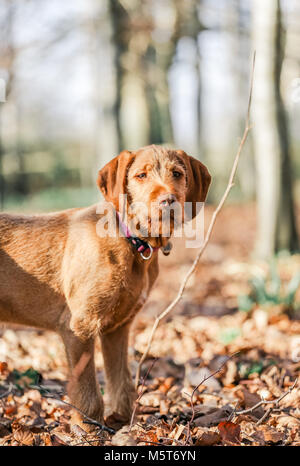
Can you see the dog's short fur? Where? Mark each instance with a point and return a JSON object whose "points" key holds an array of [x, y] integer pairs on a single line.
{"points": [[56, 273]]}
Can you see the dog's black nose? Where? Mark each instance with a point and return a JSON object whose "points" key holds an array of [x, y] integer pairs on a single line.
{"points": [[166, 199]]}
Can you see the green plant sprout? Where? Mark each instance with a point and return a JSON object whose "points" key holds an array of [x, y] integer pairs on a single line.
{"points": [[271, 291]]}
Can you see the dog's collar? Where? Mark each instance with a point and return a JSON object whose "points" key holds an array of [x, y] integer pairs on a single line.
{"points": [[140, 245]]}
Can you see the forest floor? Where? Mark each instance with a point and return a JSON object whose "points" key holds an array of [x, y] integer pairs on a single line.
{"points": [[194, 342]]}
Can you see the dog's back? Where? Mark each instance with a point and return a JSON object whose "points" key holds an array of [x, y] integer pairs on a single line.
{"points": [[31, 251]]}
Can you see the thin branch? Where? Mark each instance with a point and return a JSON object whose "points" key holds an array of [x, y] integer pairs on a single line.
{"points": [[141, 393], [85, 442], [88, 420], [139, 440], [8, 392], [275, 404], [196, 388], [208, 234]]}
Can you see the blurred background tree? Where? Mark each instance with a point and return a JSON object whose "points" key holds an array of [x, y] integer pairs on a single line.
{"points": [[88, 78], [275, 205]]}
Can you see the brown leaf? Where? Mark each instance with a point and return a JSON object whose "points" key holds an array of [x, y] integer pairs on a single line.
{"points": [[166, 385], [146, 409], [274, 389], [24, 411], [24, 437], [149, 438], [37, 425], [214, 418], [5, 423], [46, 437], [177, 432], [164, 407], [230, 432], [207, 439], [123, 438], [265, 434], [56, 441], [152, 399], [78, 431], [3, 367], [248, 400], [288, 421], [115, 421], [10, 410], [4, 431]]}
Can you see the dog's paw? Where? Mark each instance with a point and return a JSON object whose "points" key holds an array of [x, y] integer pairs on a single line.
{"points": [[122, 402], [86, 424]]}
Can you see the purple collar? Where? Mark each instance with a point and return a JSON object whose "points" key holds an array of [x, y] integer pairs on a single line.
{"points": [[140, 245]]}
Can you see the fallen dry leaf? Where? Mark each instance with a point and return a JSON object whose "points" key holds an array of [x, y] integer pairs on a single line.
{"points": [[164, 407], [166, 385], [123, 438], [56, 441], [177, 432], [152, 399], [208, 438], [265, 434], [287, 421], [230, 432], [115, 421], [3, 367], [10, 410], [147, 409], [23, 437], [248, 399], [4, 431], [214, 418]]}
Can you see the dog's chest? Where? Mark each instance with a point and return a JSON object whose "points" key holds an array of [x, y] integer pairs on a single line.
{"points": [[143, 295], [129, 296]]}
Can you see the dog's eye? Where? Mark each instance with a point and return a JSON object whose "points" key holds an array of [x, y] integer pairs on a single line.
{"points": [[141, 175], [177, 174]]}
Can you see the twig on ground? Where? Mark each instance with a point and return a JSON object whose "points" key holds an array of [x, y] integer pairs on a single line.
{"points": [[149, 441], [8, 392], [83, 361], [275, 404], [141, 393], [90, 442], [88, 420], [208, 234]]}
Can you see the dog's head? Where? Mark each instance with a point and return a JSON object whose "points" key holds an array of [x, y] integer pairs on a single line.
{"points": [[157, 182]]}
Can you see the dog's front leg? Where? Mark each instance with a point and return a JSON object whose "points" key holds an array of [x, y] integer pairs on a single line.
{"points": [[119, 384], [83, 388]]}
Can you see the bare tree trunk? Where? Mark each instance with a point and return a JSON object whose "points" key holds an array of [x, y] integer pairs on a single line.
{"points": [[129, 26], [2, 188], [107, 133], [286, 231], [7, 57], [270, 135], [240, 50]]}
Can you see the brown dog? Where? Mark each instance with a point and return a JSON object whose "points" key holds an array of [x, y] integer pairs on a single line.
{"points": [[57, 273]]}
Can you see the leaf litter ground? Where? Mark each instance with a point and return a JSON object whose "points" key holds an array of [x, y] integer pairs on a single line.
{"points": [[190, 345]]}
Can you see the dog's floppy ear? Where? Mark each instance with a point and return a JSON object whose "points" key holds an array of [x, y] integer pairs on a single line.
{"points": [[112, 177], [198, 180]]}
